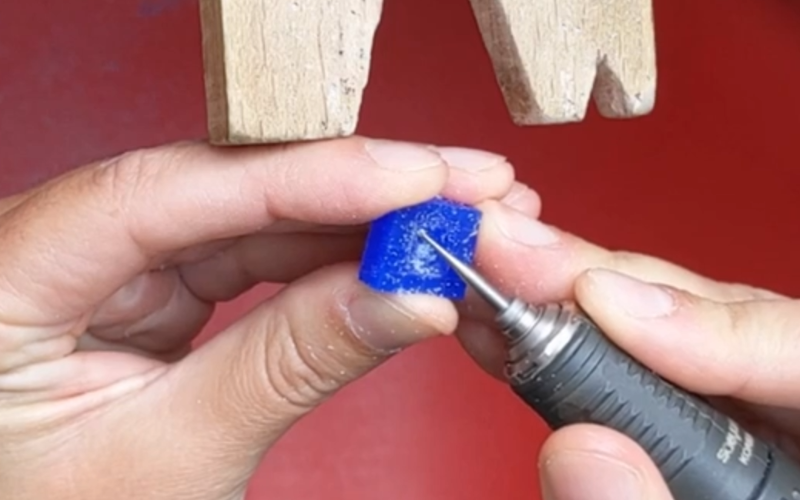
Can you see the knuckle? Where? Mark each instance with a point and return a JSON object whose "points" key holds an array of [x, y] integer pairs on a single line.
{"points": [[122, 185], [292, 372], [735, 292], [265, 187], [120, 180], [295, 188], [136, 174], [735, 329], [623, 260], [740, 292], [735, 321]]}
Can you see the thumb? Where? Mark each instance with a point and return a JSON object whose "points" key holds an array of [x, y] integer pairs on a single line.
{"points": [[254, 380], [586, 461], [744, 349]]}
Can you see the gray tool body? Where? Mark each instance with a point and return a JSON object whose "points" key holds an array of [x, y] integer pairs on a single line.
{"points": [[565, 369]]}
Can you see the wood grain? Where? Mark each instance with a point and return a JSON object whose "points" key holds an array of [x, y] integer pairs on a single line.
{"points": [[285, 70], [551, 56]]}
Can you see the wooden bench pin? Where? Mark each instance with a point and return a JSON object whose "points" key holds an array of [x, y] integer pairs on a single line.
{"points": [[290, 70]]}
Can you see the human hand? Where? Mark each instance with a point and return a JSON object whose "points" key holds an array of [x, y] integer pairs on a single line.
{"points": [[736, 344], [109, 272]]}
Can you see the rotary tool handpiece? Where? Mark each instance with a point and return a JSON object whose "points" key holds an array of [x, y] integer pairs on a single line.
{"points": [[563, 367]]}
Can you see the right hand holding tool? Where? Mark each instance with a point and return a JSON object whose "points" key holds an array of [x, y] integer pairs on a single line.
{"points": [[736, 345]]}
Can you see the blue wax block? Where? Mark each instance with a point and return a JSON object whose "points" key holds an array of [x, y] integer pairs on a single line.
{"points": [[397, 260]]}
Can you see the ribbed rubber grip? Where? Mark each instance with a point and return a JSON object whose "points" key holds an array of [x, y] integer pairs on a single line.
{"points": [[702, 454]]}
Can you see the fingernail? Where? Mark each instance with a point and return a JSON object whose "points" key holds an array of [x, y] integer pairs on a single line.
{"points": [[635, 298], [516, 226], [470, 160], [402, 156], [390, 323], [521, 198], [573, 475]]}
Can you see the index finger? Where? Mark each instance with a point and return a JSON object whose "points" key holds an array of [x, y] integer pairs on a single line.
{"points": [[77, 240], [541, 263]]}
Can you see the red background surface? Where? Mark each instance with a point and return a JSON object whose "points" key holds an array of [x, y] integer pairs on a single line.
{"points": [[708, 180]]}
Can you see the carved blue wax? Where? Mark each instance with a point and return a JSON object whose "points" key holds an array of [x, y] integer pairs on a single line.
{"points": [[397, 260]]}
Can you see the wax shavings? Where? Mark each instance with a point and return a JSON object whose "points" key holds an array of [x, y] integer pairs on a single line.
{"points": [[397, 260]]}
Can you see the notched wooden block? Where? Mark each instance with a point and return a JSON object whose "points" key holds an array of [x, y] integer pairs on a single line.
{"points": [[552, 56], [285, 70]]}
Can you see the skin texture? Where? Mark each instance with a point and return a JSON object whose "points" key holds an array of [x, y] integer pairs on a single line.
{"points": [[706, 336], [110, 271]]}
